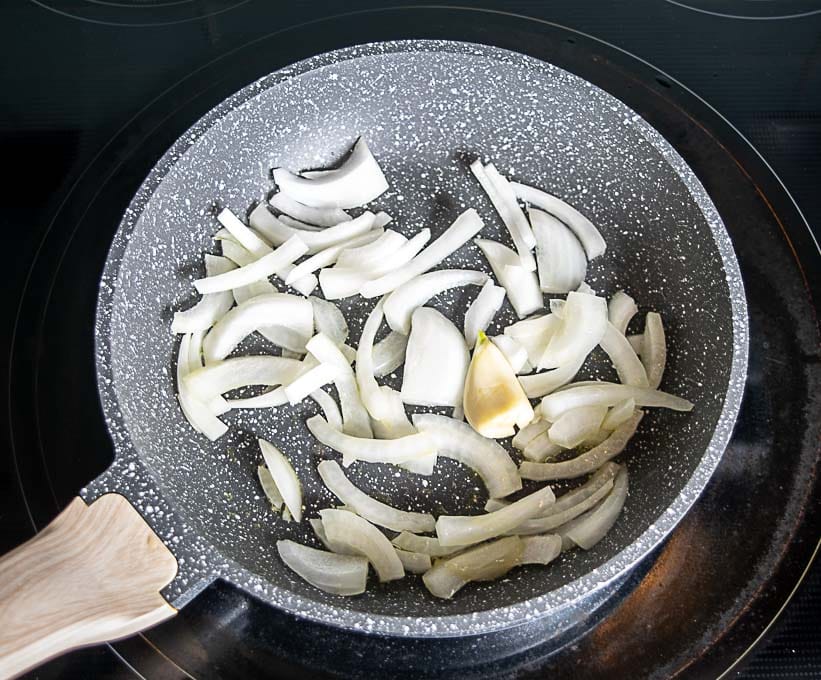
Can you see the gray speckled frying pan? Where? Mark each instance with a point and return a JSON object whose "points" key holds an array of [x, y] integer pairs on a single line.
{"points": [[423, 107]]}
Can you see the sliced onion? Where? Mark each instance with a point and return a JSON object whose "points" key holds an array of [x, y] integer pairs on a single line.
{"points": [[330, 255], [335, 574], [586, 531], [540, 449], [371, 509], [235, 252], [426, 545], [482, 310], [394, 451], [636, 342], [540, 384], [220, 377], [560, 257], [415, 563], [389, 353], [269, 399], [201, 418], [368, 387], [493, 504], [305, 284], [504, 201], [371, 255], [483, 563], [465, 227], [210, 308], [328, 319], [585, 288], [534, 334], [540, 549], [584, 229], [401, 303], [288, 311], [357, 534], [296, 224], [583, 325], [521, 285], [329, 408], [608, 394], [269, 487], [620, 413], [515, 352], [528, 433], [628, 366], [358, 181], [322, 217], [574, 426], [436, 361], [458, 440], [277, 232], [586, 462], [654, 349], [310, 381], [252, 290], [284, 477], [246, 237], [620, 310]]}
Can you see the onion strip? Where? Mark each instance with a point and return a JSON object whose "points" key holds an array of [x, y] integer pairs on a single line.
{"points": [[608, 394], [561, 260], [654, 349], [322, 217], [482, 310], [357, 534], [628, 366], [210, 308], [521, 285], [389, 353], [589, 529], [329, 255], [284, 476], [427, 545], [330, 572], [620, 310]]}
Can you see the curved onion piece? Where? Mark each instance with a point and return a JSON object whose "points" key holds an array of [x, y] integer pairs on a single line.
{"points": [[328, 319], [436, 361], [401, 303], [503, 198], [560, 256], [482, 310], [483, 563], [321, 217], [371, 509], [521, 285], [235, 252], [534, 334], [259, 270], [201, 418], [636, 342], [583, 325], [296, 224], [246, 237], [220, 377], [528, 433], [310, 381], [352, 449], [211, 307], [470, 529], [395, 422], [269, 399], [618, 414], [288, 311], [540, 384], [278, 232], [284, 477], [608, 394], [252, 290], [574, 426], [329, 408], [357, 534], [335, 574], [515, 352], [588, 461], [458, 440], [371, 255], [415, 563], [620, 310], [540, 549], [654, 349], [328, 256], [628, 366], [358, 181], [427, 545], [269, 487], [368, 387], [389, 353], [540, 449], [588, 530], [464, 227], [584, 229]]}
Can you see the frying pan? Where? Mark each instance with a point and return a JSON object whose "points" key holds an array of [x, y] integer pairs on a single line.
{"points": [[174, 512]]}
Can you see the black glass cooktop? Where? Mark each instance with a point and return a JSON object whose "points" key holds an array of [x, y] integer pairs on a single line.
{"points": [[94, 91]]}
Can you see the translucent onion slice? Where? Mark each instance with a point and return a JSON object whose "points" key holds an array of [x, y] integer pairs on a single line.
{"points": [[628, 366], [458, 440], [654, 349], [200, 417], [636, 342], [220, 377], [465, 227], [426, 545], [620, 310], [235, 252], [582, 327], [328, 256], [540, 384], [483, 563], [395, 423], [586, 462], [504, 201], [269, 487], [394, 451], [329, 408], [310, 381], [534, 334], [285, 477], [371, 509], [470, 529], [389, 353], [415, 563], [521, 285], [368, 387], [436, 361], [278, 232], [482, 310], [574, 426], [588, 530], [322, 217], [328, 319], [246, 237], [528, 433], [584, 229], [585, 288], [560, 257], [210, 308], [288, 311], [357, 534], [252, 290], [296, 224], [371, 255], [335, 574], [515, 353], [540, 549], [608, 394], [618, 414], [401, 303], [358, 181], [540, 449]]}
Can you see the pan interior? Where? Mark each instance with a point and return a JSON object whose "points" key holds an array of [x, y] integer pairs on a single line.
{"points": [[423, 112]]}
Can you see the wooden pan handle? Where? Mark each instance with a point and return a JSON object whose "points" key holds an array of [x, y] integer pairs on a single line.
{"points": [[94, 574]]}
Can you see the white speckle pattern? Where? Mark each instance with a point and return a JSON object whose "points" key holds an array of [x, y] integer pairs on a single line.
{"points": [[667, 247]]}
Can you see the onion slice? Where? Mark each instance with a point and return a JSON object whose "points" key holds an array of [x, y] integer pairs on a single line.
{"points": [[210, 308], [521, 285], [654, 349], [329, 408], [608, 394], [197, 413], [540, 384], [528, 433], [368, 387], [244, 236], [278, 232], [482, 310], [618, 414], [220, 377], [284, 476], [335, 574], [328, 319], [415, 563], [628, 366], [328, 256], [269, 487], [620, 310], [540, 549], [560, 257], [583, 325], [540, 449], [322, 217], [589, 529], [515, 352], [389, 353], [357, 534], [534, 334], [426, 545], [310, 381], [576, 425], [371, 255]]}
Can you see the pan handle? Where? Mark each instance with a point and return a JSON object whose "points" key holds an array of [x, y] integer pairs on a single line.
{"points": [[94, 574]]}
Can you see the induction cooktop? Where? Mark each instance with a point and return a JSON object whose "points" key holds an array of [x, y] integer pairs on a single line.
{"points": [[96, 90]]}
